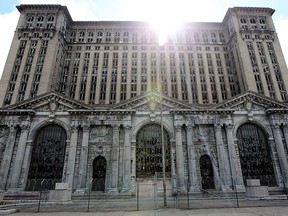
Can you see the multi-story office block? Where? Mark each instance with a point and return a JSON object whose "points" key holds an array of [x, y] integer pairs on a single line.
{"points": [[96, 101]]}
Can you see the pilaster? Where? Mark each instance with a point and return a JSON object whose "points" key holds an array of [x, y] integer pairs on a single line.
{"points": [[179, 159], [281, 152], [193, 181], [127, 158], [83, 158], [72, 154], [6, 162], [16, 172], [234, 159], [224, 168], [114, 160]]}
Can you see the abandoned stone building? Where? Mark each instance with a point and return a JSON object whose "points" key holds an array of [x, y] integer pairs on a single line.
{"points": [[93, 103]]}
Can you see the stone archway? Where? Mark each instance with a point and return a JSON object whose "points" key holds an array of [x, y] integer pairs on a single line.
{"points": [[149, 152], [47, 159], [255, 154]]}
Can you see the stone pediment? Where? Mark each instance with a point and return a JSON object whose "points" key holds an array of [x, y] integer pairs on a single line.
{"points": [[49, 102], [251, 101], [152, 102]]}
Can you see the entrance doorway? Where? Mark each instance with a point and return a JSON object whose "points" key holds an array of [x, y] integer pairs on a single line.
{"points": [[99, 173]]}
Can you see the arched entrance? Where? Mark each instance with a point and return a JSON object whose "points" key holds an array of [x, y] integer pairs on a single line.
{"points": [[47, 159], [99, 173], [149, 152], [207, 174], [255, 154]]}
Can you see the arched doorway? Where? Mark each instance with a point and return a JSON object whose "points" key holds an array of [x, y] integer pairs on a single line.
{"points": [[149, 152], [255, 154], [47, 159], [99, 173], [207, 174]]}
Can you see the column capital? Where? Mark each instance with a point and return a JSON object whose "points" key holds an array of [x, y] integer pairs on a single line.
{"points": [[229, 126], [25, 126], [275, 125], [190, 126], [86, 128], [218, 126], [127, 127], [177, 127], [115, 126], [74, 126]]}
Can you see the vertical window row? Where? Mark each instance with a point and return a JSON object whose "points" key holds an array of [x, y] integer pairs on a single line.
{"points": [[15, 72], [27, 70], [39, 67], [255, 68]]}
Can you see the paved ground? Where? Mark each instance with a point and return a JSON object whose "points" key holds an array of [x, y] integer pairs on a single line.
{"points": [[147, 207]]}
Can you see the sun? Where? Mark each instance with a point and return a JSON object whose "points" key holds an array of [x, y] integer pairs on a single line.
{"points": [[165, 19]]}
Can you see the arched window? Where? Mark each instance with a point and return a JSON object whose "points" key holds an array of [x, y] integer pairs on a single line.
{"points": [[213, 37], [126, 37], [243, 20], [222, 37], [252, 21], [117, 37], [205, 38], [149, 152], [255, 154], [47, 159], [262, 21], [30, 18], [196, 37], [82, 34], [50, 19]]}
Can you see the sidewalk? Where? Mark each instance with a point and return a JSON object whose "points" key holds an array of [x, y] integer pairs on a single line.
{"points": [[146, 207], [252, 211]]}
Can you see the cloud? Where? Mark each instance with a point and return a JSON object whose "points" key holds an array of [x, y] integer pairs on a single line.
{"points": [[282, 31]]}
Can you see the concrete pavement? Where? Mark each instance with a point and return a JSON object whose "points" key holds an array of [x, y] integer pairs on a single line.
{"points": [[252, 211], [128, 207]]}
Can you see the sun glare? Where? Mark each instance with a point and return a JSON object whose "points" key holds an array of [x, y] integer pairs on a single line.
{"points": [[165, 20], [165, 28]]}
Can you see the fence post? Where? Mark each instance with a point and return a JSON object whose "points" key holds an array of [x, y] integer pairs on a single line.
{"points": [[155, 192], [89, 194], [235, 187], [137, 196], [40, 195]]}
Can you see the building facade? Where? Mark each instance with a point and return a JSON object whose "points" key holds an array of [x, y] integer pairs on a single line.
{"points": [[91, 103]]}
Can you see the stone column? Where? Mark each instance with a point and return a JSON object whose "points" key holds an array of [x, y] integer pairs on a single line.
{"points": [[179, 159], [193, 181], [173, 165], [25, 165], [6, 162], [72, 155], [114, 160], [285, 130], [234, 159], [16, 172], [83, 158], [224, 168], [127, 158], [281, 152]]}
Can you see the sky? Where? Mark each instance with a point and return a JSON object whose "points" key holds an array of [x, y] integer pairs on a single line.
{"points": [[156, 11]]}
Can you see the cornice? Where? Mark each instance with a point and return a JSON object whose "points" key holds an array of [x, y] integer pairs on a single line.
{"points": [[262, 10], [202, 111], [56, 7], [17, 112], [101, 112]]}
